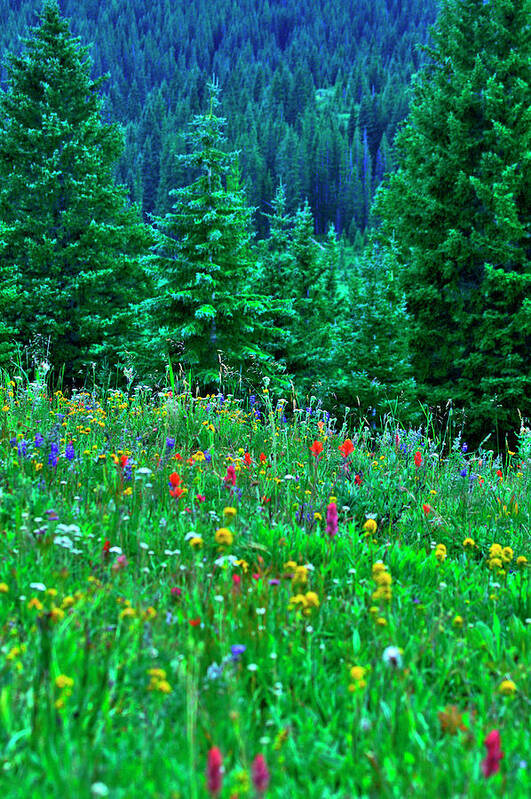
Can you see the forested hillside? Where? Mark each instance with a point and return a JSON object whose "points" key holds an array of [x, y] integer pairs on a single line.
{"points": [[313, 91]]}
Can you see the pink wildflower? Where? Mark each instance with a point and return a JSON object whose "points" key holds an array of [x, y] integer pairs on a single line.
{"points": [[331, 519], [491, 764], [260, 774], [214, 771]]}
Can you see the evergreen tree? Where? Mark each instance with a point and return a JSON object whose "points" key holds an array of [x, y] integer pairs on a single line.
{"points": [[203, 307], [69, 237], [458, 211]]}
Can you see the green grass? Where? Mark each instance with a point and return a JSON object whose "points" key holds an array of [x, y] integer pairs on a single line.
{"points": [[99, 615]]}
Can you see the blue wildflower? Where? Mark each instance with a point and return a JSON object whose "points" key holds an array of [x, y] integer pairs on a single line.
{"points": [[54, 453], [463, 472], [465, 447], [39, 440], [252, 400], [22, 448], [208, 456], [69, 451], [170, 443], [237, 651]]}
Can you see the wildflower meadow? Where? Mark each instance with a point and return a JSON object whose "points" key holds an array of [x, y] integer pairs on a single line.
{"points": [[234, 596]]}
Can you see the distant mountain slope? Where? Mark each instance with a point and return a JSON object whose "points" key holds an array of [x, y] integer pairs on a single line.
{"points": [[313, 90]]}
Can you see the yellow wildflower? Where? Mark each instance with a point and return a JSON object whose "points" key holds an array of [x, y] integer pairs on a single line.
{"points": [[357, 673], [128, 613], [301, 575], [224, 536], [35, 603], [229, 512], [458, 621], [62, 681], [521, 561], [196, 542], [507, 554], [507, 688], [370, 526], [4, 588], [469, 543], [312, 599]]}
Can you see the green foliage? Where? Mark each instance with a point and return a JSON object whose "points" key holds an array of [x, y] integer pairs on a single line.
{"points": [[69, 237], [204, 312], [457, 213], [120, 608]]}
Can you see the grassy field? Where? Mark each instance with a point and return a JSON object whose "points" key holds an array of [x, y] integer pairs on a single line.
{"points": [[189, 583]]}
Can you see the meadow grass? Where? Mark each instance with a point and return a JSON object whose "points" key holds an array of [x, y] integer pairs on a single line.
{"points": [[172, 583]]}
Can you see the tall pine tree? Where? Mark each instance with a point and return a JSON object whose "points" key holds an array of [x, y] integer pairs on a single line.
{"points": [[204, 308], [70, 240], [458, 212]]}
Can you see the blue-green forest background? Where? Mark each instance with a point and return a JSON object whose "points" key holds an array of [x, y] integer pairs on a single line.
{"points": [[250, 235]]}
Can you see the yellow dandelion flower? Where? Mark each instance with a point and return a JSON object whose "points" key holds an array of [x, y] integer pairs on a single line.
{"points": [[507, 554], [507, 688], [62, 681], [224, 536], [196, 542], [469, 543], [381, 622], [357, 673], [458, 621], [370, 526], [521, 561], [301, 575], [229, 512], [312, 599]]}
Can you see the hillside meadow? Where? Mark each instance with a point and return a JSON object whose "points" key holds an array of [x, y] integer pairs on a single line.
{"points": [[240, 597]]}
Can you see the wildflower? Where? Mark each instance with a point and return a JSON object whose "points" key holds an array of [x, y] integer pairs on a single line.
{"points": [[451, 720], [507, 688], [381, 622], [370, 526], [331, 519], [128, 613], [346, 448], [35, 603], [196, 542], [440, 552], [491, 764], [62, 681], [214, 771], [229, 512], [418, 459], [469, 543], [507, 554], [260, 774], [176, 592], [300, 577], [357, 480], [4, 588], [120, 563], [316, 449], [357, 673], [427, 509], [230, 477], [194, 622], [236, 651], [393, 656], [224, 536], [312, 600], [247, 459], [521, 561], [263, 457], [458, 621]]}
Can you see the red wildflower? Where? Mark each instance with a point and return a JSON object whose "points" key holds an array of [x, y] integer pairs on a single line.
{"points": [[499, 472], [176, 492], [176, 592], [200, 498], [397, 440], [214, 771], [427, 509], [263, 457], [174, 479], [346, 447], [194, 622], [247, 459], [124, 461], [230, 477], [357, 480], [316, 449], [265, 499], [418, 459], [236, 582], [260, 774], [491, 764], [106, 546]]}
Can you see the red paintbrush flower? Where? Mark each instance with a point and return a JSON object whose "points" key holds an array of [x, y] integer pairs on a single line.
{"points": [[124, 461], [263, 457], [491, 764], [214, 771], [260, 774], [427, 509], [194, 622], [316, 449], [247, 459], [418, 459], [230, 477], [174, 479], [357, 480], [346, 447]]}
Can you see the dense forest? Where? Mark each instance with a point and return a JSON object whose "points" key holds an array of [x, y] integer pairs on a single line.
{"points": [[227, 199], [312, 91]]}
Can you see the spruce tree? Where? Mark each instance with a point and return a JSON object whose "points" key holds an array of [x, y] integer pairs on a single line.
{"points": [[204, 308], [70, 239], [457, 212]]}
